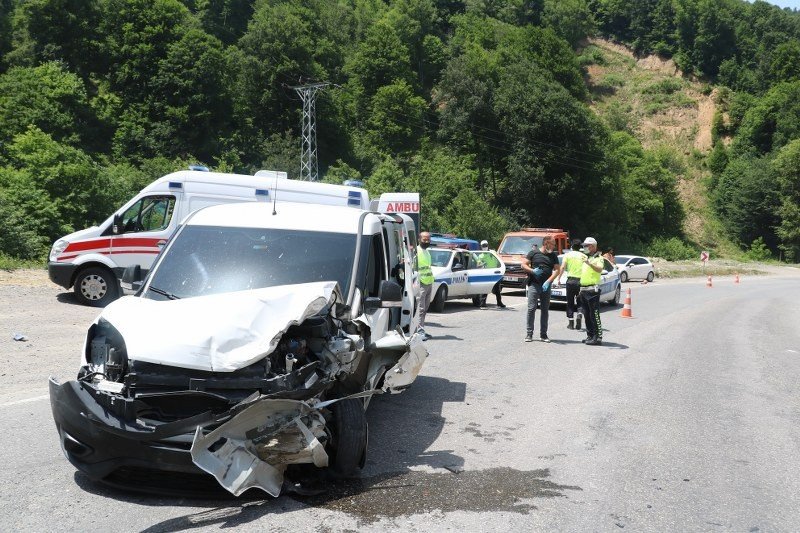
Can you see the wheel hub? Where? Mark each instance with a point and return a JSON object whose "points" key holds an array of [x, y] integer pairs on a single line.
{"points": [[93, 287]]}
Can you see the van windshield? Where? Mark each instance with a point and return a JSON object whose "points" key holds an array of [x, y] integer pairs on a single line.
{"points": [[207, 260], [519, 245]]}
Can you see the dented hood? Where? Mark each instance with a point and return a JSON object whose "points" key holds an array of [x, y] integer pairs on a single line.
{"points": [[220, 332]]}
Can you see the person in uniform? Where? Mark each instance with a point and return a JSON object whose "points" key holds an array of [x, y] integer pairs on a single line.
{"points": [[542, 267], [488, 260], [425, 279], [573, 266], [591, 272]]}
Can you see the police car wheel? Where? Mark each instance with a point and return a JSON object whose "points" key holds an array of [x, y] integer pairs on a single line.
{"points": [[437, 305], [623, 277], [95, 287]]}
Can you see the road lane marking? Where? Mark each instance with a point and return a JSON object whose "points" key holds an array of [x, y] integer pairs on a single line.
{"points": [[25, 400]]}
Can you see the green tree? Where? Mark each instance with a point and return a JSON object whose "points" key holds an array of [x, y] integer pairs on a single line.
{"points": [[786, 168], [570, 19]]}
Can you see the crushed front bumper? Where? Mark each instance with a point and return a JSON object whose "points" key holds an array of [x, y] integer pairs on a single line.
{"points": [[246, 446]]}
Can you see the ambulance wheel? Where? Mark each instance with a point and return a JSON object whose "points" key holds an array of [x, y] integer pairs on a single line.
{"points": [[349, 437], [95, 286], [437, 305], [623, 277]]}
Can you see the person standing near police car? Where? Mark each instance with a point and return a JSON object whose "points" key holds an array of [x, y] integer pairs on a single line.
{"points": [[424, 265], [487, 260], [591, 273], [573, 266], [542, 267]]}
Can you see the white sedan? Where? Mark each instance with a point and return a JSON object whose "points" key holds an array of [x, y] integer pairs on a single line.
{"points": [[635, 267], [460, 273], [609, 285]]}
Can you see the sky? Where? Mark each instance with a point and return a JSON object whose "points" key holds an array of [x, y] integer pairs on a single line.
{"points": [[786, 3]]}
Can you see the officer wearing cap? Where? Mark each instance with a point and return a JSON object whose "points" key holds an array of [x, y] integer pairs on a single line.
{"points": [[490, 261], [591, 272]]}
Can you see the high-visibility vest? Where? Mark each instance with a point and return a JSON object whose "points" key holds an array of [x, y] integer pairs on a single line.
{"points": [[487, 259], [573, 263], [424, 266], [588, 274]]}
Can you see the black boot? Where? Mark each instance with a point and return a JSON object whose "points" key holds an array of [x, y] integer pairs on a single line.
{"points": [[571, 324], [578, 321]]}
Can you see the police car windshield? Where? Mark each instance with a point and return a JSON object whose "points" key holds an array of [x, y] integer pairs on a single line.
{"points": [[209, 260], [440, 258], [519, 245]]}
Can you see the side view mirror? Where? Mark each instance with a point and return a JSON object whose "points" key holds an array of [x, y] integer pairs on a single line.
{"points": [[390, 294], [604, 272], [457, 267], [132, 279], [116, 227]]}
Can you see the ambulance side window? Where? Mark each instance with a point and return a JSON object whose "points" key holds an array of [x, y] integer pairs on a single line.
{"points": [[151, 213]]}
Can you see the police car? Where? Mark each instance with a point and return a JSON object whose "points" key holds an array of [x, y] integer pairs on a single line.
{"points": [[609, 285], [460, 273]]}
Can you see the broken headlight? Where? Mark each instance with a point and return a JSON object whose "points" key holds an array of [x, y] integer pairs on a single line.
{"points": [[106, 356]]}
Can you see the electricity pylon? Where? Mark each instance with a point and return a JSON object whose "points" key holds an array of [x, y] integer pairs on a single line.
{"points": [[309, 170]]}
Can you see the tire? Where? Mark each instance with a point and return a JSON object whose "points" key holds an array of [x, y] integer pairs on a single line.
{"points": [[651, 276], [349, 437], [437, 305], [614, 302], [96, 286], [623, 277]]}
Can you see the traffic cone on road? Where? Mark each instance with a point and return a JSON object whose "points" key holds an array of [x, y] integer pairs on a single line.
{"points": [[708, 281], [626, 309], [736, 279]]}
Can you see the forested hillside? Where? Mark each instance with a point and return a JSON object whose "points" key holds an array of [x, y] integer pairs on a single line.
{"points": [[487, 108]]}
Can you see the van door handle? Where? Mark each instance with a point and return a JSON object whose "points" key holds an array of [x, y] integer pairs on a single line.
{"points": [[161, 243]]}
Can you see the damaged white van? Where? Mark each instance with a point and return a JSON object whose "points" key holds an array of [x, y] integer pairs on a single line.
{"points": [[254, 344]]}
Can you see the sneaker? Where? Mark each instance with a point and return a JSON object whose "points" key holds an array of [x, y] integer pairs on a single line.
{"points": [[529, 338], [426, 336], [501, 306], [544, 338], [587, 339], [594, 342], [484, 307], [571, 324]]}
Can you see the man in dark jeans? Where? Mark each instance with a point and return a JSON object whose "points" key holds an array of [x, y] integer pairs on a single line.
{"points": [[542, 267]]}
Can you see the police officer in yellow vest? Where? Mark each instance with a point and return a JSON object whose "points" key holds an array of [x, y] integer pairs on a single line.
{"points": [[425, 279], [573, 266], [486, 259], [591, 272]]}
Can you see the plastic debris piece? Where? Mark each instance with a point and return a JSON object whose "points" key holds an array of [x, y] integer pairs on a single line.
{"points": [[20, 337]]}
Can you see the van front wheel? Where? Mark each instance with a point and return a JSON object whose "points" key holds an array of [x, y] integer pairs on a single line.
{"points": [[95, 286]]}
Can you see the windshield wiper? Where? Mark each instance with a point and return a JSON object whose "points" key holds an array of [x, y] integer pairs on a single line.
{"points": [[163, 293]]}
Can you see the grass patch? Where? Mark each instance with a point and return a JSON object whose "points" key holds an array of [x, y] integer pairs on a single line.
{"points": [[12, 263]]}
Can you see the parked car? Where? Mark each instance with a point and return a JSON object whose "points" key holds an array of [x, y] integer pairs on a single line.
{"points": [[610, 289], [458, 273], [253, 344], [634, 267]]}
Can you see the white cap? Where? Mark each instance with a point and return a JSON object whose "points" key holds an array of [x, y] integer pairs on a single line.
{"points": [[589, 240], [484, 242]]}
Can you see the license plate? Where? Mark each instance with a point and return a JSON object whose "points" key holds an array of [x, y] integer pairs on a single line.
{"points": [[558, 292], [509, 278]]}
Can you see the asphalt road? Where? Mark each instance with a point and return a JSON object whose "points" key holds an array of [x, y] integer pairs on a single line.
{"points": [[686, 419]]}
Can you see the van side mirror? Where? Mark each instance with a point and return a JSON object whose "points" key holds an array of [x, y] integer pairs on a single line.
{"points": [[116, 227], [390, 294], [132, 279]]}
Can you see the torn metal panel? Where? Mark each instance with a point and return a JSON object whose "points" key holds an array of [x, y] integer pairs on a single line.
{"points": [[253, 448], [191, 334], [400, 376]]}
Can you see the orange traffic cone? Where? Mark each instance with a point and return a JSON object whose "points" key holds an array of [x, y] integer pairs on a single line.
{"points": [[626, 309], [708, 281], [736, 279]]}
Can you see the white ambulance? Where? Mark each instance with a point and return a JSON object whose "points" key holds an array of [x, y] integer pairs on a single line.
{"points": [[91, 260]]}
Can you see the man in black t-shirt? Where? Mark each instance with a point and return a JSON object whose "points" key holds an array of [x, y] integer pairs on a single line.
{"points": [[542, 267]]}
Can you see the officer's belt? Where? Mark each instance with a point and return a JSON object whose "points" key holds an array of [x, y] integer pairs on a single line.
{"points": [[587, 288]]}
